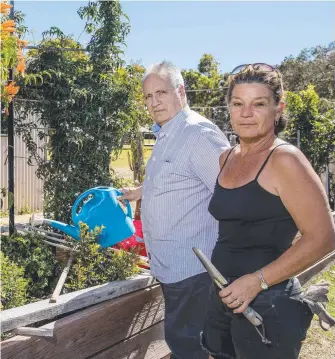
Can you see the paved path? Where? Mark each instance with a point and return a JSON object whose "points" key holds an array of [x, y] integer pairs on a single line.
{"points": [[20, 221]]}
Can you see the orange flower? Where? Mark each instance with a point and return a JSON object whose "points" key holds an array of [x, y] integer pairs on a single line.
{"points": [[21, 66], [8, 26], [8, 23], [8, 29], [11, 89], [5, 8], [19, 52]]}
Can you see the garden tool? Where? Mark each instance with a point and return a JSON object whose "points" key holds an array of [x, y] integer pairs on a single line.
{"points": [[48, 236], [68, 244], [254, 318], [61, 280], [53, 239], [99, 208]]}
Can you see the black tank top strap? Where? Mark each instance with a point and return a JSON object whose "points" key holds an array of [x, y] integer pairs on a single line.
{"points": [[267, 159], [224, 163]]}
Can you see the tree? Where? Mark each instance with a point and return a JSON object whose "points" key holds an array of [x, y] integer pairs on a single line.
{"points": [[205, 91], [208, 66], [312, 66], [83, 104], [316, 124], [138, 118]]}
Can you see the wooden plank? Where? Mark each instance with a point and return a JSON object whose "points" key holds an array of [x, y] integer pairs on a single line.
{"points": [[93, 329], [61, 280], [35, 332], [42, 310], [149, 344], [310, 272]]}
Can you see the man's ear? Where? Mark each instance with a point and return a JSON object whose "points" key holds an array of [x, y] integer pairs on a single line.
{"points": [[182, 91]]}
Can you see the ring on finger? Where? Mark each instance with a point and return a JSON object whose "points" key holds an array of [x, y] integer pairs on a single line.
{"points": [[238, 302]]}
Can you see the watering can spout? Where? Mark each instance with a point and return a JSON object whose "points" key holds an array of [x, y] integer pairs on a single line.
{"points": [[63, 227]]}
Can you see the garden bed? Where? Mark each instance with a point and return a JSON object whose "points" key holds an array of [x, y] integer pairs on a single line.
{"points": [[124, 320]]}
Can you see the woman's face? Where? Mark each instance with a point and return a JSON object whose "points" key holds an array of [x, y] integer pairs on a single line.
{"points": [[253, 111]]}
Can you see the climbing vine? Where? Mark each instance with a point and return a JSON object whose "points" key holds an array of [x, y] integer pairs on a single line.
{"points": [[82, 104], [11, 53]]}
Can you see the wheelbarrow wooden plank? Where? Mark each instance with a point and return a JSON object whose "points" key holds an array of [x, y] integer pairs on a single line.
{"points": [[92, 330], [148, 344], [42, 310]]}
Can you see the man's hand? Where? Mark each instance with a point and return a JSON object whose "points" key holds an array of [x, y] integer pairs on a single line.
{"points": [[131, 194]]}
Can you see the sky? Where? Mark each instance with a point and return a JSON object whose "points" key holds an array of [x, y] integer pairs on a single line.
{"points": [[234, 32]]}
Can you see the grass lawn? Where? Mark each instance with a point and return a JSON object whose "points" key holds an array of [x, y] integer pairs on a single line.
{"points": [[319, 344], [122, 160], [328, 276]]}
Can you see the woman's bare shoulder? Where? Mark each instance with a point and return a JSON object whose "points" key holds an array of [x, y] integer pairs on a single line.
{"points": [[288, 161], [286, 154]]}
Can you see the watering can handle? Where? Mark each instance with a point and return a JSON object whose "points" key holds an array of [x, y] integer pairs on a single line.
{"points": [[77, 202], [129, 210]]}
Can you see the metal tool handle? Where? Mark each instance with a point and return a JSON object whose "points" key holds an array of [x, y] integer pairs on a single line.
{"points": [[253, 317]]}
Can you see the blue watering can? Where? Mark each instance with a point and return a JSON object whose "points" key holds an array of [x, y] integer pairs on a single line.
{"points": [[102, 209]]}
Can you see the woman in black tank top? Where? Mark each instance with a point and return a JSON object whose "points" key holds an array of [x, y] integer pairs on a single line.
{"points": [[266, 191]]}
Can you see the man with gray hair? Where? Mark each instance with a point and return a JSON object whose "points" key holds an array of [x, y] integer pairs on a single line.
{"points": [[180, 178]]}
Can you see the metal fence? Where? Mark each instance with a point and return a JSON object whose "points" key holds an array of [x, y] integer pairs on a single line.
{"points": [[28, 189]]}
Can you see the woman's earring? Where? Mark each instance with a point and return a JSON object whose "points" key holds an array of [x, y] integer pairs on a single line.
{"points": [[276, 122]]}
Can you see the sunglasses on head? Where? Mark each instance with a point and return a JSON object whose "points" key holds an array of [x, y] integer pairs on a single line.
{"points": [[259, 66]]}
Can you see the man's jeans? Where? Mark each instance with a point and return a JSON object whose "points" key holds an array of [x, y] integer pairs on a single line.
{"points": [[185, 310]]}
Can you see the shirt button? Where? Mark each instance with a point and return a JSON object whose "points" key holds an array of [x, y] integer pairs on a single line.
{"points": [[154, 158], [148, 177]]}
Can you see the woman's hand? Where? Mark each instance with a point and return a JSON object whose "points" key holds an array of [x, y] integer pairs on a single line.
{"points": [[241, 292]]}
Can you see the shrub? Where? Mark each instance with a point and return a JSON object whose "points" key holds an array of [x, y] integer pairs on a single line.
{"points": [[94, 265], [13, 284], [37, 259], [35, 262]]}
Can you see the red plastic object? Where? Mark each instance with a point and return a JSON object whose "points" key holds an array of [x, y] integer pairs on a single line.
{"points": [[131, 242]]}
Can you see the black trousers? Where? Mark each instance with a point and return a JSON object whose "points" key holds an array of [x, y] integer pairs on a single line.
{"points": [[286, 320], [185, 311]]}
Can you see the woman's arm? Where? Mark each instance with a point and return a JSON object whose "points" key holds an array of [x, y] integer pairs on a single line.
{"points": [[302, 193]]}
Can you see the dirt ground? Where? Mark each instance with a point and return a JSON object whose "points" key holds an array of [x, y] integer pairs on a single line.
{"points": [[318, 344]]}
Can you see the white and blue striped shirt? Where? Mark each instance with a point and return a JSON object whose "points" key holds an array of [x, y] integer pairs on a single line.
{"points": [[180, 179]]}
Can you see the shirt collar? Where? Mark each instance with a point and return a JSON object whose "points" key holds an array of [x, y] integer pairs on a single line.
{"points": [[160, 132]]}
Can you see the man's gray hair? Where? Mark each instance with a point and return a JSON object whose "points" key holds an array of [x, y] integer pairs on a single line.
{"points": [[168, 69]]}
